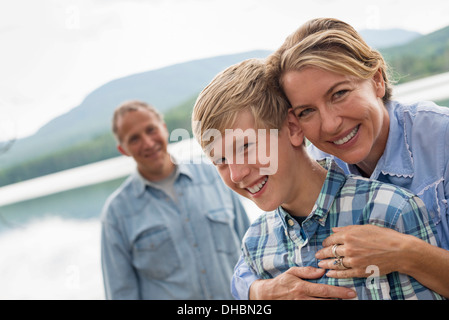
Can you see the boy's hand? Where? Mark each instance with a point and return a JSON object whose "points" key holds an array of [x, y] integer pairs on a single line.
{"points": [[290, 286]]}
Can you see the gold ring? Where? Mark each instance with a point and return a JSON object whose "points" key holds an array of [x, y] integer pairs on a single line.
{"points": [[334, 251]]}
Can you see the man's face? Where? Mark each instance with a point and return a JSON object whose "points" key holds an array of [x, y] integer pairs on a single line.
{"points": [[145, 138]]}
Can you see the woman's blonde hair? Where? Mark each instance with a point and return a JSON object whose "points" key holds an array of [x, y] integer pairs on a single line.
{"points": [[329, 44], [239, 88]]}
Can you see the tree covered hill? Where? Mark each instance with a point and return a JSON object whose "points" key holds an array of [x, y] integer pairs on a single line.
{"points": [[422, 57]]}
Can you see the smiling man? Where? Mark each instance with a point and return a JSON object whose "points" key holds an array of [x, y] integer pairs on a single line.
{"points": [[171, 231]]}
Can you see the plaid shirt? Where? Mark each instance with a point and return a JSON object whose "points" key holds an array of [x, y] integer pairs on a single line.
{"points": [[275, 241]]}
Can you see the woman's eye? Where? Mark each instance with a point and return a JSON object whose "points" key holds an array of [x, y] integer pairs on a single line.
{"points": [[339, 94]]}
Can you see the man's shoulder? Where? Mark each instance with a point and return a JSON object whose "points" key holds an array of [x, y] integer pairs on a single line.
{"points": [[120, 195], [202, 172]]}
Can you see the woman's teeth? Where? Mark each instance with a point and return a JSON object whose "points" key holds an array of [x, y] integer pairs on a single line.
{"points": [[348, 137], [257, 187]]}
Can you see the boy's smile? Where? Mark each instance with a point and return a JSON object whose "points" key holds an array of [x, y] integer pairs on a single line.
{"points": [[258, 186]]}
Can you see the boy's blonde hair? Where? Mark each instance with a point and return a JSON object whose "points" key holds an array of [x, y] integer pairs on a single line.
{"points": [[240, 87], [329, 44]]}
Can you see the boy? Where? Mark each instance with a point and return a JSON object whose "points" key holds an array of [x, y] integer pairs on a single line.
{"points": [[304, 199]]}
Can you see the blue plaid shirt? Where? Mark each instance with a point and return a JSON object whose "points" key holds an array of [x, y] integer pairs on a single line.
{"points": [[275, 241]]}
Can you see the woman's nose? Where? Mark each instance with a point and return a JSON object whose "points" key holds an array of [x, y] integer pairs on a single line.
{"points": [[330, 120]]}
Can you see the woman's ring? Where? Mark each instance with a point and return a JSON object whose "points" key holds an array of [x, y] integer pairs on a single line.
{"points": [[334, 251], [339, 262]]}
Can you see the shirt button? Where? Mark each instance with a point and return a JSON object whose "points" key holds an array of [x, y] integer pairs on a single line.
{"points": [[291, 223]]}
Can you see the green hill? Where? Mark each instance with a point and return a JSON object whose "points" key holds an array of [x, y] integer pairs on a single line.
{"points": [[425, 56]]}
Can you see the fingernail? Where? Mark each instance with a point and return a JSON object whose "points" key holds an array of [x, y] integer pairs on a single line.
{"points": [[330, 273], [352, 294]]}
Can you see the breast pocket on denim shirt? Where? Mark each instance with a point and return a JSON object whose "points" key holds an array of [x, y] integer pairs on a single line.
{"points": [[223, 232], [154, 253], [434, 199]]}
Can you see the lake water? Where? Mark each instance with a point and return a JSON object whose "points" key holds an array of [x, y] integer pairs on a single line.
{"points": [[50, 246]]}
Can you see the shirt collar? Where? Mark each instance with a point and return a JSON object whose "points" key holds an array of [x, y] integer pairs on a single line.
{"points": [[334, 181], [140, 183], [397, 159]]}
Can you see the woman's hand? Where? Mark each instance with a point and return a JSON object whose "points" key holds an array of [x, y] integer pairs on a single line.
{"points": [[362, 246]]}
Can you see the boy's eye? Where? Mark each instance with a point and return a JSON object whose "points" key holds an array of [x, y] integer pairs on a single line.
{"points": [[219, 161], [245, 147]]}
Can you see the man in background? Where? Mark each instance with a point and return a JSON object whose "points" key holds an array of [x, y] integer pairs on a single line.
{"points": [[171, 231]]}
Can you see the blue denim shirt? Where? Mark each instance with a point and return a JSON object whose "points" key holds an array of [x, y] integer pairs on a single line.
{"points": [[416, 157], [156, 248]]}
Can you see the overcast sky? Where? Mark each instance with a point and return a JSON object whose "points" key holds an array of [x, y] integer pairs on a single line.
{"points": [[54, 52]]}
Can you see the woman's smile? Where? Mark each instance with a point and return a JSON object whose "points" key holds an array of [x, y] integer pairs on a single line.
{"points": [[346, 138]]}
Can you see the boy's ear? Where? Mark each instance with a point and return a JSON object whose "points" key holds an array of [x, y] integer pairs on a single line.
{"points": [[295, 132]]}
